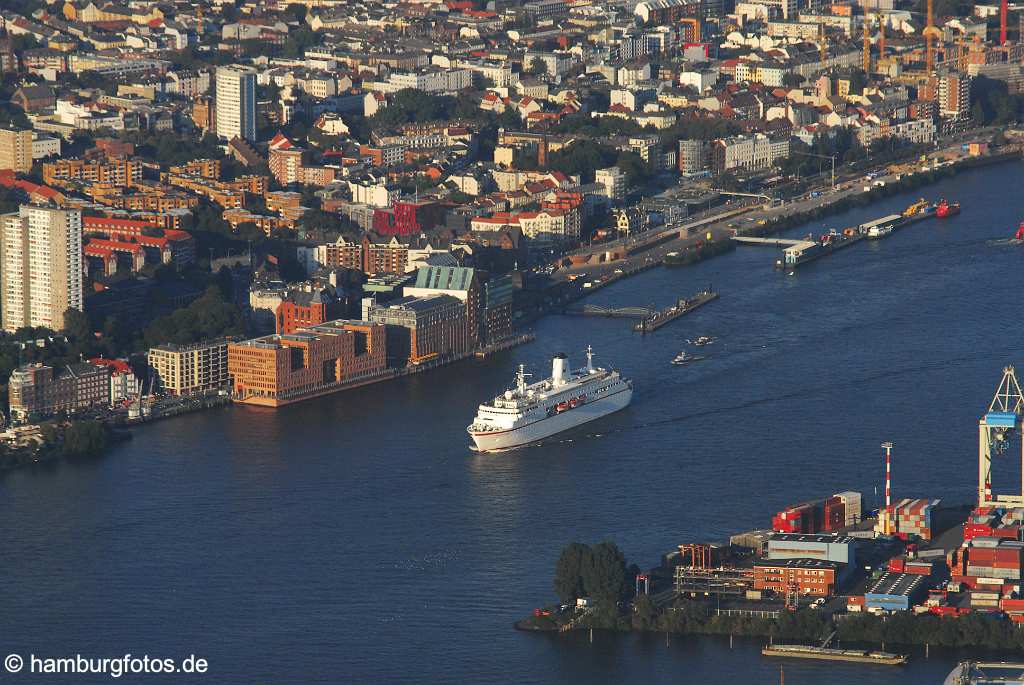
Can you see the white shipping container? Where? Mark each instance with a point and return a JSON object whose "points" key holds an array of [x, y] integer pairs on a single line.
{"points": [[990, 581]]}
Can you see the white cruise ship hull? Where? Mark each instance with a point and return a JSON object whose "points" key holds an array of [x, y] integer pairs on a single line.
{"points": [[494, 441]]}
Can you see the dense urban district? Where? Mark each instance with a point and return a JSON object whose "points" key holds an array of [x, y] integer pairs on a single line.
{"points": [[266, 202]]}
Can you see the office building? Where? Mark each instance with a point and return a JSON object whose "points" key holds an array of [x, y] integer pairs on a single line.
{"points": [[276, 370], [15, 150], [236, 102], [40, 266]]}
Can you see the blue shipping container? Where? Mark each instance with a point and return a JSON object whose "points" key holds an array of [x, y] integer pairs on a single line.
{"points": [[1000, 419]]}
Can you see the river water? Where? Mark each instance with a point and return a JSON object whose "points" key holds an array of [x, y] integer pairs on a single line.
{"points": [[356, 538]]}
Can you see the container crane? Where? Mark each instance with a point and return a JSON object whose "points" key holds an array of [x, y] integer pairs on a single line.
{"points": [[995, 430]]}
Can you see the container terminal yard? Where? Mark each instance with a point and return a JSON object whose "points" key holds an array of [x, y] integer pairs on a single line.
{"points": [[839, 557]]}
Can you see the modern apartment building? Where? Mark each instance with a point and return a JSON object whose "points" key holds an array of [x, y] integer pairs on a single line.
{"points": [[614, 181], [236, 102], [954, 95], [15, 150], [40, 266], [190, 369]]}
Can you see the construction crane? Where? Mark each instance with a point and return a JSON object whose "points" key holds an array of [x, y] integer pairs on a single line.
{"points": [[822, 46], [1002, 22], [867, 47], [930, 34], [995, 429], [881, 35]]}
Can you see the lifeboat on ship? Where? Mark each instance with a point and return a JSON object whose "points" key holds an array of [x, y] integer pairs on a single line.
{"points": [[946, 209]]}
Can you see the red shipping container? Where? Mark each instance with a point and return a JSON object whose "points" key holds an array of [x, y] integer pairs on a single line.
{"points": [[1011, 604], [896, 565]]}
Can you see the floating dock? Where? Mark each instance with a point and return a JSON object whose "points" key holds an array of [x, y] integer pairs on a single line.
{"points": [[822, 653], [798, 252], [682, 306]]}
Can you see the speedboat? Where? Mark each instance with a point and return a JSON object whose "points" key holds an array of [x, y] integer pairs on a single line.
{"points": [[702, 340]]}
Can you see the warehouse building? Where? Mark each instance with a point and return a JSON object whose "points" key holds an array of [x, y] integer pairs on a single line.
{"points": [[896, 592]]}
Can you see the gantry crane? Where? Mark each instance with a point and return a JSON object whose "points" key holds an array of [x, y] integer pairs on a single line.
{"points": [[1000, 423]]}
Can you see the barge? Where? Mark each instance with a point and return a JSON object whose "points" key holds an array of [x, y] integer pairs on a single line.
{"points": [[823, 653]]}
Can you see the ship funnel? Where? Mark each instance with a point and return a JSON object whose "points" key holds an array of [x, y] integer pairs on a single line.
{"points": [[558, 371]]}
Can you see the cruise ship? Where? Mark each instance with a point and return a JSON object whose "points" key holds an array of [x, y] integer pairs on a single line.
{"points": [[529, 413]]}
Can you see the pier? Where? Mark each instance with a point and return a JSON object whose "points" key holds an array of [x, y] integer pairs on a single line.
{"points": [[613, 312], [681, 307]]}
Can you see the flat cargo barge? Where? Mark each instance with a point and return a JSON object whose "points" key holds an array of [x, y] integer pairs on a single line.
{"points": [[825, 654], [682, 306]]}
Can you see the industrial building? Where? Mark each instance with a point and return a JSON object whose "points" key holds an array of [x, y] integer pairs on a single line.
{"points": [[896, 592], [840, 549]]}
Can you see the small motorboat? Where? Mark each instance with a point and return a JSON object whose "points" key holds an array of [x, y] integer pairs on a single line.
{"points": [[701, 340], [683, 358]]}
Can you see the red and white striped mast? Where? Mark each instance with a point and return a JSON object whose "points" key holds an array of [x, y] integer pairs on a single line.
{"points": [[889, 526]]}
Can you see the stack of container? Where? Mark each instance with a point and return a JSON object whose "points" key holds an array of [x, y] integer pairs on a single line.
{"points": [[838, 511], [833, 514], [1014, 608], [995, 558], [984, 599], [851, 502], [802, 518], [914, 517], [993, 523]]}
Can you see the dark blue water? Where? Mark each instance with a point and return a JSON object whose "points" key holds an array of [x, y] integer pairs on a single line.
{"points": [[357, 539]]}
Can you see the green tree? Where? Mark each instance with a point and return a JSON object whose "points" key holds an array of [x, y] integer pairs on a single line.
{"points": [[569, 572], [84, 438], [604, 573], [645, 614], [538, 67]]}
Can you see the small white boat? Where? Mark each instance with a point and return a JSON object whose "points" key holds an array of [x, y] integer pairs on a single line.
{"points": [[683, 358], [702, 340]]}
